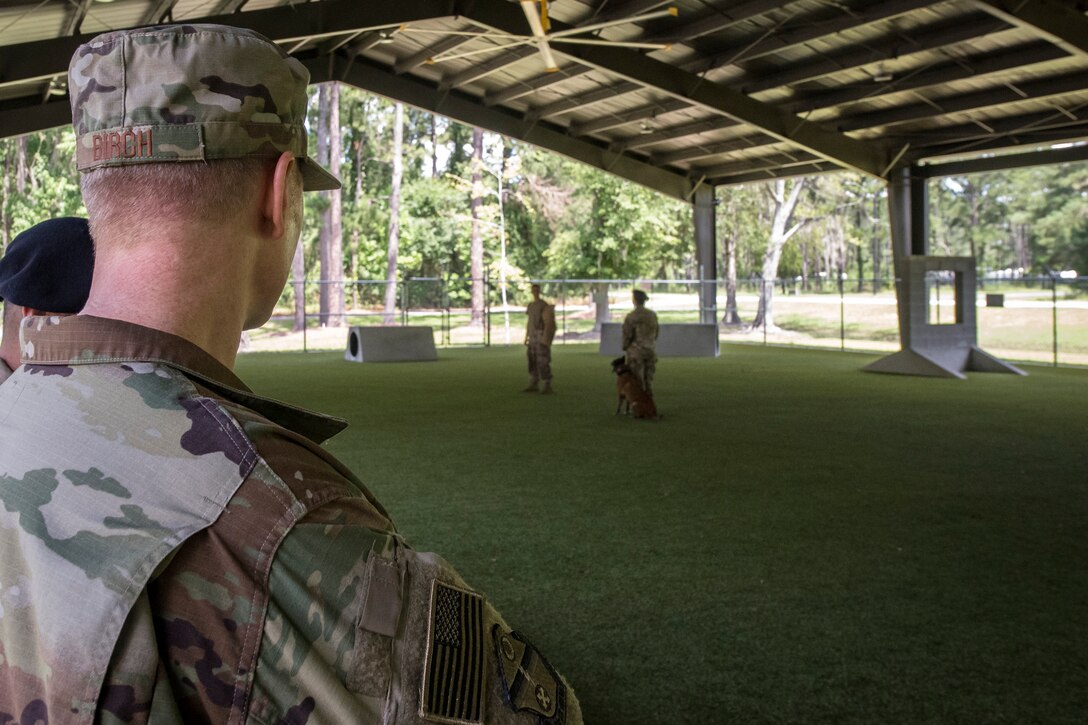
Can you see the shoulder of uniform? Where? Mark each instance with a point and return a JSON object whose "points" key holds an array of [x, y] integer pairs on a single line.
{"points": [[308, 471]]}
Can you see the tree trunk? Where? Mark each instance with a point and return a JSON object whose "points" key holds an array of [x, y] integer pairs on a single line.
{"points": [[360, 172], [22, 173], [783, 204], [877, 250], [731, 317], [354, 268], [5, 226], [804, 267], [600, 302], [324, 232], [978, 248], [477, 249], [768, 277], [334, 214], [861, 271], [394, 216], [434, 147], [1020, 235]]}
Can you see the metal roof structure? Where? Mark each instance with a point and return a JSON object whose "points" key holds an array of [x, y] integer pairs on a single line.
{"points": [[715, 92]]}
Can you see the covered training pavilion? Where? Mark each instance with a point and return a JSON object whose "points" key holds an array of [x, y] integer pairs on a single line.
{"points": [[681, 97]]}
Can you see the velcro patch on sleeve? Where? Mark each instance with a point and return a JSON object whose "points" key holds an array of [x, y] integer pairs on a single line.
{"points": [[454, 670], [529, 683], [382, 608]]}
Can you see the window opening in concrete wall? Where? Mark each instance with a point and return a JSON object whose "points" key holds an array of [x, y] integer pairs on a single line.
{"points": [[943, 298]]}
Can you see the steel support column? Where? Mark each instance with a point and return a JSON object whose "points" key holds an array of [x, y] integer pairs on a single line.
{"points": [[908, 207], [706, 253]]}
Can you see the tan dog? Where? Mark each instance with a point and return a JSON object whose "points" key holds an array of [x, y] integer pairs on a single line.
{"points": [[629, 389]]}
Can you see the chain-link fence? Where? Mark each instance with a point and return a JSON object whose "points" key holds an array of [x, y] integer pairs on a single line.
{"points": [[1030, 319]]}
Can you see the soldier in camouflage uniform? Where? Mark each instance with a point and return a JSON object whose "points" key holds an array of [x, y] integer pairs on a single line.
{"points": [[639, 340], [539, 333], [46, 270], [173, 547]]}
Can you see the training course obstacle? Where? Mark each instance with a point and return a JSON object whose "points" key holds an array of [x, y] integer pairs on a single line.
{"points": [[390, 344], [931, 345]]}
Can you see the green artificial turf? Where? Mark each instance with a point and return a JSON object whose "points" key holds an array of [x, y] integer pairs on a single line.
{"points": [[796, 542]]}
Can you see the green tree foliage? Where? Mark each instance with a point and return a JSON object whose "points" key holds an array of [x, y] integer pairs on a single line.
{"points": [[434, 230], [564, 219], [40, 180], [600, 227], [1032, 219], [1055, 211]]}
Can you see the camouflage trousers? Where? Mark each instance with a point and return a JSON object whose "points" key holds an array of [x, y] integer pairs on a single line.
{"points": [[540, 361], [643, 364]]}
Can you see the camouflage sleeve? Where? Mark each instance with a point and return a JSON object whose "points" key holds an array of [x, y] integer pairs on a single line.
{"points": [[370, 630], [628, 332], [549, 323]]}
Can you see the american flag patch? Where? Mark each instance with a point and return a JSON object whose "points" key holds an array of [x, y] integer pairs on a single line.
{"points": [[453, 674]]}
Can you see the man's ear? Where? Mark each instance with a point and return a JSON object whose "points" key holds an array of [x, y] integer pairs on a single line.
{"points": [[276, 199], [28, 311]]}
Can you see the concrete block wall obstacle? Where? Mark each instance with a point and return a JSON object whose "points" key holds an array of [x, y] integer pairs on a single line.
{"points": [[938, 350], [674, 340], [390, 344]]}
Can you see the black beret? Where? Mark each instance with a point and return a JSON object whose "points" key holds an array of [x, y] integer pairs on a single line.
{"points": [[49, 266]]}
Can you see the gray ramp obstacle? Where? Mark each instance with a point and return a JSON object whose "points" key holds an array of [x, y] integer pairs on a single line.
{"points": [[673, 340], [931, 345], [390, 344]]}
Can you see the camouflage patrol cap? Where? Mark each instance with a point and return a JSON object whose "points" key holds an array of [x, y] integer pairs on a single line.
{"points": [[189, 93]]}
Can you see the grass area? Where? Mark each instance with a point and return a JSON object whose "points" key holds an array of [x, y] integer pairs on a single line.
{"points": [[796, 542]]}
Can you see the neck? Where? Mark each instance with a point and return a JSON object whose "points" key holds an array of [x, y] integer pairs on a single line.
{"points": [[192, 288]]}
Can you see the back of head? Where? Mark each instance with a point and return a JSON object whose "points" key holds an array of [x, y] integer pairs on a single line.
{"points": [[640, 297], [121, 200], [178, 122]]}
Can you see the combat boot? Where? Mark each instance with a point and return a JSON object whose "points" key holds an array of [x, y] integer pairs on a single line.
{"points": [[547, 388], [533, 388]]}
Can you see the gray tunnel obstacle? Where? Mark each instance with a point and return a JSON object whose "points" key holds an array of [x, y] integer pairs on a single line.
{"points": [[390, 344]]}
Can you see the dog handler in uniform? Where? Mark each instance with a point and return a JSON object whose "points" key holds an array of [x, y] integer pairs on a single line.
{"points": [[46, 270], [640, 330], [173, 547], [539, 334]]}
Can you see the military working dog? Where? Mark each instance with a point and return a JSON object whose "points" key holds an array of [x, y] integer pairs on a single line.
{"points": [[629, 390]]}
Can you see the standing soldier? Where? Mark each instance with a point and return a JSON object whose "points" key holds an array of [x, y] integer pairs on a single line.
{"points": [[639, 339], [539, 333]]}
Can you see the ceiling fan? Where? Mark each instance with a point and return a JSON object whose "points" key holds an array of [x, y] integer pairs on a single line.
{"points": [[540, 35]]}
